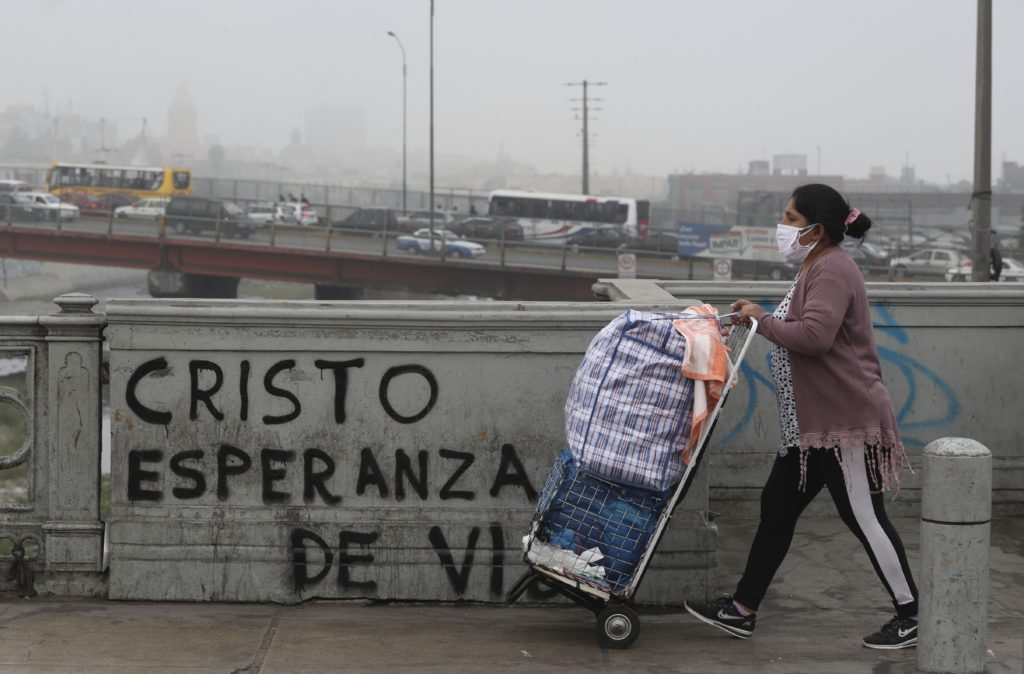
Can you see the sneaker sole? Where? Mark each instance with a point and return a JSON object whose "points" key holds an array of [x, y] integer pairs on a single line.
{"points": [[731, 631], [892, 647]]}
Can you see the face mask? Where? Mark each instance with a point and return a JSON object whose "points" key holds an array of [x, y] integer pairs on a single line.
{"points": [[788, 240]]}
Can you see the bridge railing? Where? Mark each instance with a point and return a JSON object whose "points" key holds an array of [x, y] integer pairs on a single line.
{"points": [[50, 411]]}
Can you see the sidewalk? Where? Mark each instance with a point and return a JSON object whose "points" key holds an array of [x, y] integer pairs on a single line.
{"points": [[824, 599]]}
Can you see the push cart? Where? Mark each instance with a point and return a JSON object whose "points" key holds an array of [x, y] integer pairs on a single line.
{"points": [[617, 527]]}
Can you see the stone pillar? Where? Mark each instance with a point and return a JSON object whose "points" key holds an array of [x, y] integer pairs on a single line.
{"points": [[73, 532], [956, 511]]}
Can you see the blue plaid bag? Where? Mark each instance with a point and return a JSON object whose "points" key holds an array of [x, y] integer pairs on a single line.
{"points": [[629, 411]]}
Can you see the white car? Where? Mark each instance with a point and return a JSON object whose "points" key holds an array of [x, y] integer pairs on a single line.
{"points": [[144, 208], [265, 213], [1012, 271], [50, 205], [298, 212], [421, 241], [926, 262]]}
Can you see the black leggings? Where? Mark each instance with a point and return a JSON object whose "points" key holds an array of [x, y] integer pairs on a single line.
{"points": [[782, 501]]}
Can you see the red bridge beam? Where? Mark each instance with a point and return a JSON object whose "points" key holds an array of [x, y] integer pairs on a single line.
{"points": [[296, 265]]}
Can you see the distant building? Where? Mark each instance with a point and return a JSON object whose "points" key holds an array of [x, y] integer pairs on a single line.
{"points": [[182, 140], [1013, 177], [336, 133]]}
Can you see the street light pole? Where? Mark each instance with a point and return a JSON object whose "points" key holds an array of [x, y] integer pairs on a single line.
{"points": [[405, 73], [432, 214], [981, 200]]}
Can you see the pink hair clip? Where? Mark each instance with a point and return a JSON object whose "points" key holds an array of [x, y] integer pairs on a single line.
{"points": [[854, 214]]}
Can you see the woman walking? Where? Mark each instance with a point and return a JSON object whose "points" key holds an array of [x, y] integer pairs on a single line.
{"points": [[836, 419]]}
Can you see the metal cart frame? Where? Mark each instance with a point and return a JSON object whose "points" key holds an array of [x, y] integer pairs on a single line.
{"points": [[618, 625]]}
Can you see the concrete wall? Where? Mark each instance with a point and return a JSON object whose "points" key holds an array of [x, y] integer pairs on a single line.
{"points": [[279, 451], [950, 356]]}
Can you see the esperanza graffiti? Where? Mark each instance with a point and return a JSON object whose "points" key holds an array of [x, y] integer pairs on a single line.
{"points": [[943, 395]]}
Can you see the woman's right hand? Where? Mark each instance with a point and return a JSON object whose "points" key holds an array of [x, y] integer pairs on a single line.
{"points": [[747, 310]]}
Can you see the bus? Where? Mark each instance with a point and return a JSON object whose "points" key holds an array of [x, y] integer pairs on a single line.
{"points": [[553, 218], [142, 182]]}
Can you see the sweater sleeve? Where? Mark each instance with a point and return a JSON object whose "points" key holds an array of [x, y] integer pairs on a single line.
{"points": [[826, 299]]}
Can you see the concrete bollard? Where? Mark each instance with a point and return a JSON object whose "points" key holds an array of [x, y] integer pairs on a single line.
{"points": [[956, 511]]}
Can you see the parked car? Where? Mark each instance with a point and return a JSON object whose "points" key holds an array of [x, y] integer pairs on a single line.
{"points": [[369, 219], [195, 215], [655, 242], [15, 207], [144, 208], [488, 228], [926, 262], [867, 256], [1012, 271], [599, 238], [421, 241], [52, 207], [764, 269]]}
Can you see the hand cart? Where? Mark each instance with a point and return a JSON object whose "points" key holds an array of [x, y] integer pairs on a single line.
{"points": [[620, 525]]}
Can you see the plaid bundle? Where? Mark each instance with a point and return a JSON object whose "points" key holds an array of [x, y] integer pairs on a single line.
{"points": [[628, 415]]}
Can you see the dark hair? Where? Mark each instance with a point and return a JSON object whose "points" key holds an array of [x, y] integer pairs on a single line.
{"points": [[823, 205]]}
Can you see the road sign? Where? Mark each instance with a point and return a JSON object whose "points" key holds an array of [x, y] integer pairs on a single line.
{"points": [[722, 269], [627, 265]]}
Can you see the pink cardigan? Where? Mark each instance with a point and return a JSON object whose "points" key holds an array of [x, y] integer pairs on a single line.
{"points": [[840, 398]]}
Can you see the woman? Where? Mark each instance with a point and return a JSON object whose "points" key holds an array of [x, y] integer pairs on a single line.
{"points": [[837, 424]]}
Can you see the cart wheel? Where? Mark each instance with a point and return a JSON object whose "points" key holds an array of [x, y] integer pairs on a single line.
{"points": [[617, 626]]}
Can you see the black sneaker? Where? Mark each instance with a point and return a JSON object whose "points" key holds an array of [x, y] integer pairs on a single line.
{"points": [[897, 633], [722, 614]]}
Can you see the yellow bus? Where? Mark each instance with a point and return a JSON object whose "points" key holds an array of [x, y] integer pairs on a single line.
{"points": [[142, 182]]}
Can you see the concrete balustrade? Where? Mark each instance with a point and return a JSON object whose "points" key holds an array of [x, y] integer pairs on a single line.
{"points": [[956, 512]]}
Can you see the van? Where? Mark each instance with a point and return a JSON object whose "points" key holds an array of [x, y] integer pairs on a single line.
{"points": [[369, 219], [195, 215]]}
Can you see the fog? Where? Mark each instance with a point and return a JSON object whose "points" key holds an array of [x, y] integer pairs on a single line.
{"points": [[691, 86]]}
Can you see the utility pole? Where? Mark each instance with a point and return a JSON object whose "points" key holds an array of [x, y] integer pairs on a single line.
{"points": [[981, 199], [586, 128]]}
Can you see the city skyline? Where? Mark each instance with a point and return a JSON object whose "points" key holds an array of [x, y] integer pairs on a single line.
{"points": [[886, 93]]}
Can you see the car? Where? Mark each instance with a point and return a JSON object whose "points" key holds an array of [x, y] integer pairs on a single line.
{"points": [[598, 238], [87, 203], [297, 212], [14, 186], [422, 241], [409, 222], [488, 228], [760, 270], [1013, 271], [111, 202], [52, 207], [869, 258], [369, 219], [194, 215], [144, 208], [925, 262], [15, 208], [265, 213], [655, 242]]}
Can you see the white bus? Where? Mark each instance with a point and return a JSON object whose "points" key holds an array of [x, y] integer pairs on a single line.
{"points": [[553, 218]]}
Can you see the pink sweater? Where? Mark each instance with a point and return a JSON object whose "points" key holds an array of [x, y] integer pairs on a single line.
{"points": [[840, 398]]}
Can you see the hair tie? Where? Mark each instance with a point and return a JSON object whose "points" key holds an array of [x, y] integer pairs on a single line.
{"points": [[854, 214]]}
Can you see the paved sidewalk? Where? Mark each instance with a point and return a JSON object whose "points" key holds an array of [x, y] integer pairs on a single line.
{"points": [[825, 598]]}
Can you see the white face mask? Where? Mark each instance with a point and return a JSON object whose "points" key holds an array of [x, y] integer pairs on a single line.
{"points": [[788, 240]]}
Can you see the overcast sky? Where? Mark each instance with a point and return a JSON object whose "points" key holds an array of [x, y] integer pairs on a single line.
{"points": [[702, 86]]}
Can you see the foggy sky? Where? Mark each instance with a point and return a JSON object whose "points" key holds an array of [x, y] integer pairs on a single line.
{"points": [[701, 86]]}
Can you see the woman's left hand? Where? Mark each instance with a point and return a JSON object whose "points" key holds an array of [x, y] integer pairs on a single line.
{"points": [[747, 310]]}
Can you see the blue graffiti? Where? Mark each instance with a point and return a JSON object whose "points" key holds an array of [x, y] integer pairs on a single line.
{"points": [[912, 370]]}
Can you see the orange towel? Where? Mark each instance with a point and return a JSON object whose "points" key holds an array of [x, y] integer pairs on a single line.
{"points": [[707, 361]]}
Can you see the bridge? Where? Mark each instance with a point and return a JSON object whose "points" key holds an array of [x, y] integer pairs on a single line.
{"points": [[338, 263]]}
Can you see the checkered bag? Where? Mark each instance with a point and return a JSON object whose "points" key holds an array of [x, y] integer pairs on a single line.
{"points": [[628, 415]]}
